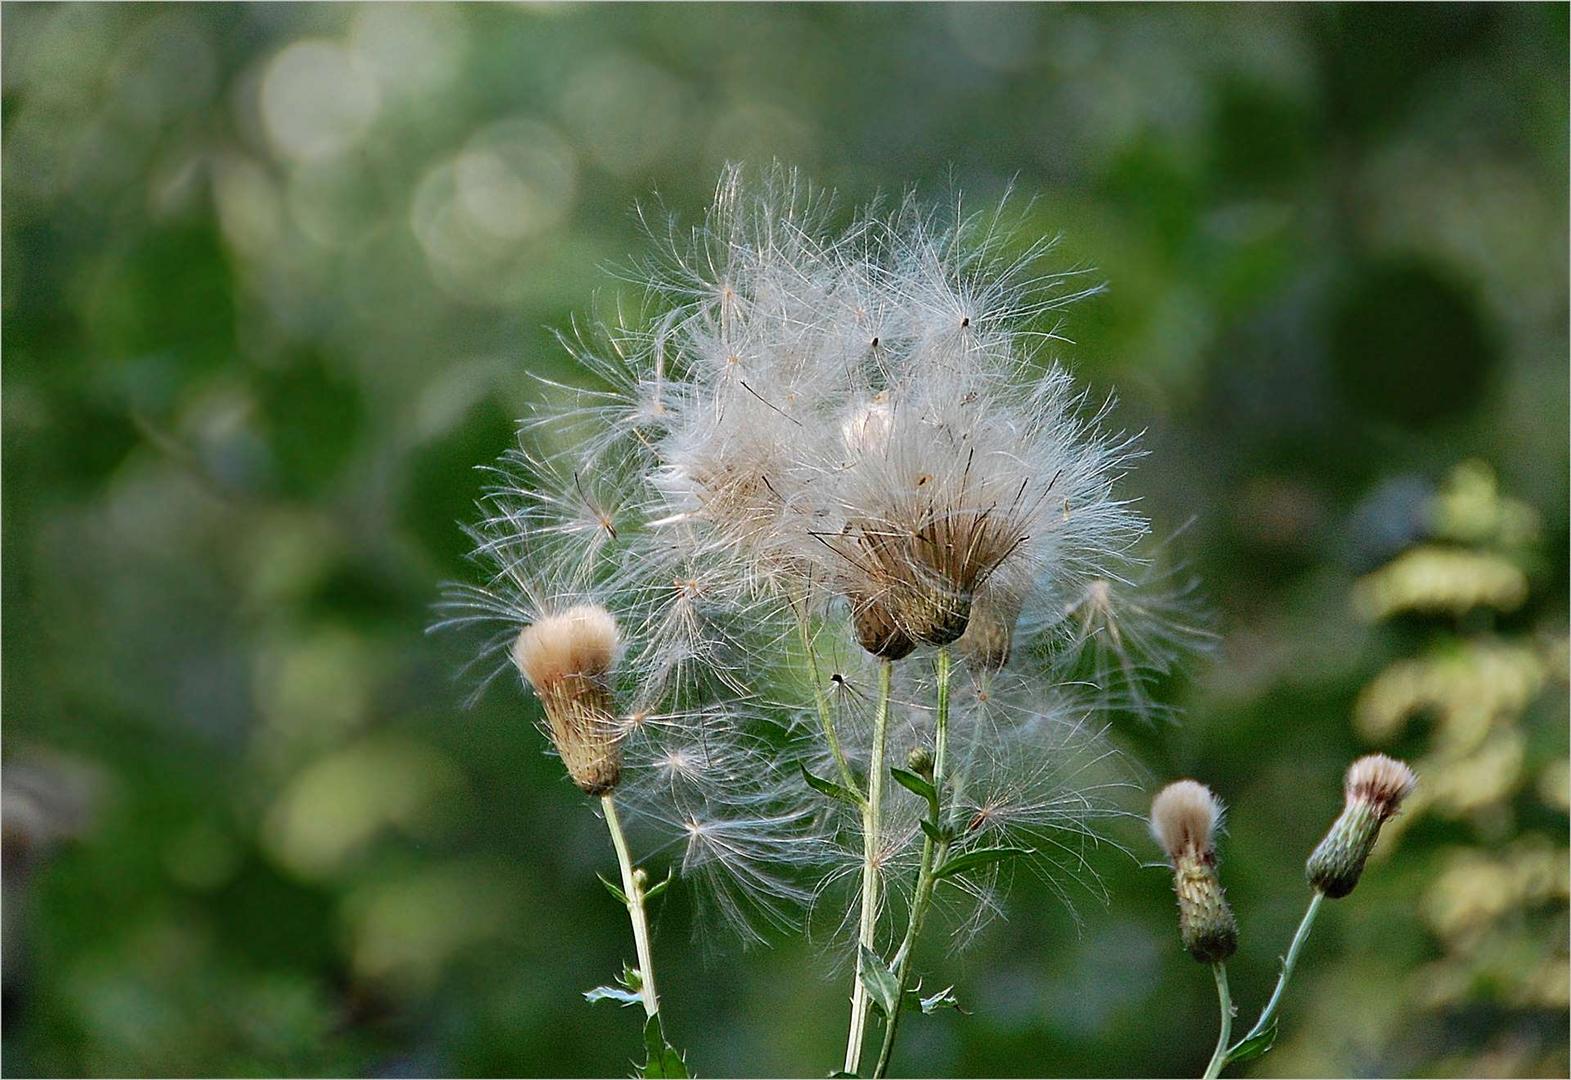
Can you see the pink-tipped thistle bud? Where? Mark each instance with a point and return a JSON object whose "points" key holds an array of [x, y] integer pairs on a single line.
{"points": [[1184, 819], [1375, 788], [568, 658]]}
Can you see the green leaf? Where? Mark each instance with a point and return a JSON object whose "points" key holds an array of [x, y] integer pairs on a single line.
{"points": [[976, 858], [665, 1061], [612, 993], [1253, 1046], [660, 887], [944, 999], [915, 784], [841, 1074], [613, 889], [882, 986], [826, 787], [934, 833]]}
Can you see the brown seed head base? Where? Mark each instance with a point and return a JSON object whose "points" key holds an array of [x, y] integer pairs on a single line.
{"points": [[568, 658]]}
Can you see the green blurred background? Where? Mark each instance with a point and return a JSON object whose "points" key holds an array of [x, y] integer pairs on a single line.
{"points": [[273, 276]]}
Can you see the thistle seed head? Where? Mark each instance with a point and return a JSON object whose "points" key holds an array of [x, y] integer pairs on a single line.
{"points": [[1380, 781], [1375, 788], [1184, 819], [877, 631], [567, 658]]}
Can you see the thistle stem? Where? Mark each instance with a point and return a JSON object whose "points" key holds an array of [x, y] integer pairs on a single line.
{"points": [[933, 855], [633, 889], [871, 808], [1268, 1014], [1225, 1001], [825, 718]]}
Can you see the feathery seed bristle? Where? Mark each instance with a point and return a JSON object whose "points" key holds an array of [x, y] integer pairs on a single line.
{"points": [[1381, 781], [1184, 818]]}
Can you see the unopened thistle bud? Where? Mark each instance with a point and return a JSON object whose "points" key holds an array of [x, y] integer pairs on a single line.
{"points": [[1184, 819], [1375, 788], [568, 658], [920, 761]]}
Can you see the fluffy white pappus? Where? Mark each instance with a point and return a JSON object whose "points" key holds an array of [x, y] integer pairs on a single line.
{"points": [[1027, 768], [1123, 635], [816, 423], [578, 642], [1382, 782], [1185, 817]]}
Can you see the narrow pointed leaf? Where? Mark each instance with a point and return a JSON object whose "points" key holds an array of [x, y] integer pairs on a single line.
{"points": [[978, 858], [613, 889], [933, 832], [1254, 1046], [882, 986], [914, 783], [827, 787], [612, 993], [659, 887]]}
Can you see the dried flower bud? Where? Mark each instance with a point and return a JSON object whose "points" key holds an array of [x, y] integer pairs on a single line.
{"points": [[1375, 788], [877, 631], [568, 658], [990, 633], [920, 761], [1184, 820]]}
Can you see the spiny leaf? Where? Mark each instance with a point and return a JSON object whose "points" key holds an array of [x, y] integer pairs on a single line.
{"points": [[944, 999], [1247, 1049], [915, 784], [665, 1061], [826, 787], [978, 857], [882, 986]]}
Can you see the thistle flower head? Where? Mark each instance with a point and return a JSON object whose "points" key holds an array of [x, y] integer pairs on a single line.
{"points": [[567, 658], [1381, 783], [844, 434], [1375, 787], [1184, 818]]}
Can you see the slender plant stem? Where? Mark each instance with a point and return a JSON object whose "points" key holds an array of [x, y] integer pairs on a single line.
{"points": [[871, 808], [825, 718], [633, 889], [933, 855], [1268, 1014], [1225, 1000]]}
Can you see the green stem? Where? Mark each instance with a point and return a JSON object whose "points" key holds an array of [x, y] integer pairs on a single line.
{"points": [[825, 717], [871, 808], [1268, 1014], [633, 889], [1225, 1000], [933, 856]]}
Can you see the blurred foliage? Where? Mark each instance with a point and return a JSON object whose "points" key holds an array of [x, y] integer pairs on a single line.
{"points": [[274, 277]]}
